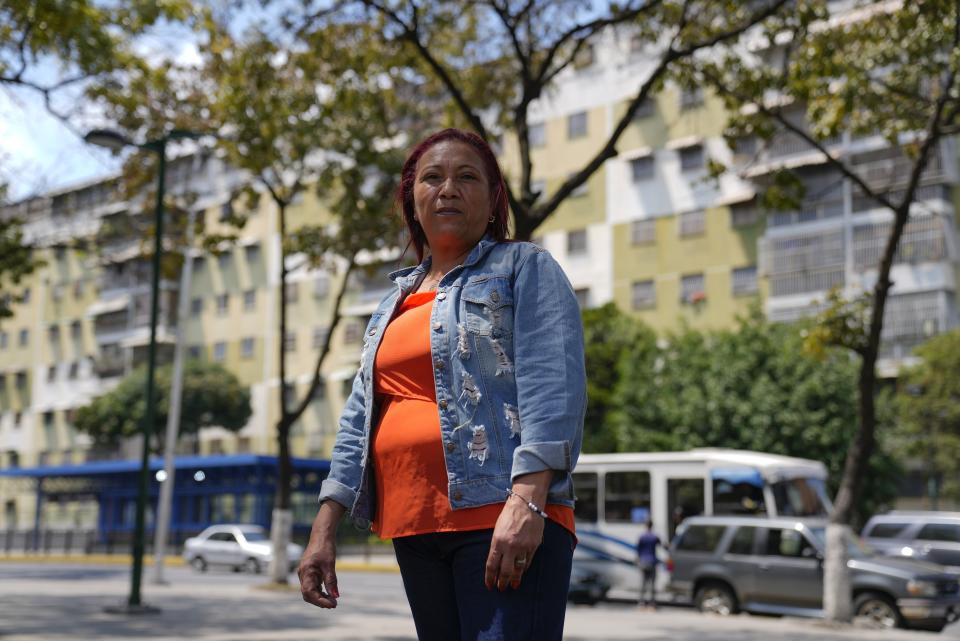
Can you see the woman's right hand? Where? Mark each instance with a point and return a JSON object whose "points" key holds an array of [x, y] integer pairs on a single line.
{"points": [[317, 571]]}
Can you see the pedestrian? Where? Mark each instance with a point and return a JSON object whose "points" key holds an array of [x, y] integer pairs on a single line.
{"points": [[647, 547], [466, 415]]}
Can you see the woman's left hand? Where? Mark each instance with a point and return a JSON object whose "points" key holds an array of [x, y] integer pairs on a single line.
{"points": [[516, 537]]}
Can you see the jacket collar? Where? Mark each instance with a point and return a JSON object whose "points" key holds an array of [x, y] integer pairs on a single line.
{"points": [[407, 277]]}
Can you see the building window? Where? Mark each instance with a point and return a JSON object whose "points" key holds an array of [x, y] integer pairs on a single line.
{"points": [[17, 419], [226, 211], [642, 168], [196, 306], [3, 340], [537, 135], [577, 125], [637, 43], [54, 331], [253, 253], [583, 297], [577, 242], [198, 263], [249, 300], [25, 296], [290, 342], [643, 294], [321, 287], [73, 370], [243, 444], [219, 351], [246, 348], [76, 330], [14, 459], [691, 158], [293, 292], [690, 98], [24, 338], [21, 380], [353, 331], [223, 259], [745, 281], [78, 289], [692, 223], [643, 232], [744, 215], [223, 304], [194, 352], [319, 336], [691, 289], [51, 373]]}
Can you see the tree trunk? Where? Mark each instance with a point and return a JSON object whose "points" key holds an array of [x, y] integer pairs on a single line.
{"points": [[837, 589], [280, 533]]}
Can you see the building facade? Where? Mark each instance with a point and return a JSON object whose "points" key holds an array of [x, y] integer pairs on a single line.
{"points": [[650, 232]]}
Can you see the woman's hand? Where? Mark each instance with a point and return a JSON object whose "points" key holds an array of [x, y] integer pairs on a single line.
{"points": [[317, 571], [518, 533]]}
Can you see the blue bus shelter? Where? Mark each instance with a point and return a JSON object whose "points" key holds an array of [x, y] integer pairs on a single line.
{"points": [[208, 489]]}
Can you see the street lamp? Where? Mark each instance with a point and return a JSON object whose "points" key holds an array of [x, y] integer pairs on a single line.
{"points": [[116, 141]]}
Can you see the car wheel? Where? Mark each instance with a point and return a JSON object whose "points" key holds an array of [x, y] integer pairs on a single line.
{"points": [[252, 566], [716, 598], [878, 609], [199, 564]]}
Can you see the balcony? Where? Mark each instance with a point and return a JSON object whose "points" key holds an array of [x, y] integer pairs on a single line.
{"points": [[924, 240], [911, 319]]}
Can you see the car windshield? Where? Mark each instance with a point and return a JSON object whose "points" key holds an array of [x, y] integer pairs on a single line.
{"points": [[254, 535], [802, 496], [856, 549]]}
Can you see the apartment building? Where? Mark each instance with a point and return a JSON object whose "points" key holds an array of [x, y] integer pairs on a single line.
{"points": [[650, 231]]}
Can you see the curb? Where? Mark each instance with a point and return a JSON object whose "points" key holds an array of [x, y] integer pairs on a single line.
{"points": [[171, 561]]}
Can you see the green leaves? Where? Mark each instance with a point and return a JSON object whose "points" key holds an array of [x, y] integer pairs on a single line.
{"points": [[212, 396], [17, 261], [750, 388]]}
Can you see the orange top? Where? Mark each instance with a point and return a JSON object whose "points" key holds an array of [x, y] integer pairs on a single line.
{"points": [[409, 468]]}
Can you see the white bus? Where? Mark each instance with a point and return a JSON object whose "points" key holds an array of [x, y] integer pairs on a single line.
{"points": [[618, 493]]}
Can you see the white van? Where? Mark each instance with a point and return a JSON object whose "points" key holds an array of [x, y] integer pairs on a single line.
{"points": [[618, 493]]}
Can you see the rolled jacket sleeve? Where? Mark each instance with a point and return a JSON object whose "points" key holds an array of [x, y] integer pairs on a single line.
{"points": [[550, 371], [346, 461]]}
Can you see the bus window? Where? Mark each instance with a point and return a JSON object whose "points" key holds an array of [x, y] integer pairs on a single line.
{"points": [[684, 498], [801, 497], [626, 497], [585, 489], [737, 491]]}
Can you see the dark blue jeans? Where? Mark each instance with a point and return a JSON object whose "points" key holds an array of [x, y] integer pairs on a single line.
{"points": [[443, 577]]}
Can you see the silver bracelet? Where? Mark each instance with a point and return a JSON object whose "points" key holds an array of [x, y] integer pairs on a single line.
{"points": [[530, 504]]}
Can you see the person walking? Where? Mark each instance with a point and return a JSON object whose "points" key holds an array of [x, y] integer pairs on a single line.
{"points": [[647, 560], [465, 419]]}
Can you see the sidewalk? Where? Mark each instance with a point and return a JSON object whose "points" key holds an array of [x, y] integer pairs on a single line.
{"points": [[65, 602]]}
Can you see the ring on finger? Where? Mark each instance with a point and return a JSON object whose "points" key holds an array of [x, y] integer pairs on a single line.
{"points": [[520, 561]]}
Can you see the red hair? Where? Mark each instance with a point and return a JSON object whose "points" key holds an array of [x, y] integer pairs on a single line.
{"points": [[500, 210]]}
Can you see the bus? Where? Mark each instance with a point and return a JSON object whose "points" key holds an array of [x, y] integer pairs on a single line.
{"points": [[618, 493]]}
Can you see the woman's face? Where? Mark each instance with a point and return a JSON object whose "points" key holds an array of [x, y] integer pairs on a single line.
{"points": [[451, 196]]}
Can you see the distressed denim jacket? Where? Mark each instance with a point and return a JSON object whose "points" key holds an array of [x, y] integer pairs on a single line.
{"points": [[508, 364]]}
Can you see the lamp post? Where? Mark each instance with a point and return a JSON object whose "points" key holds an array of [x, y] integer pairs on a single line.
{"points": [[116, 141]]}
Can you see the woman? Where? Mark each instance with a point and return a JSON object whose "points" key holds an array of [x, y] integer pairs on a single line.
{"points": [[466, 415]]}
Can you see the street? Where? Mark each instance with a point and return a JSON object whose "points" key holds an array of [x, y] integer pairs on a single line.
{"points": [[66, 601]]}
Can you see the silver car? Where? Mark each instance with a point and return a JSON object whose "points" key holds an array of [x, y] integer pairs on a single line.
{"points": [[927, 536], [241, 547], [775, 566]]}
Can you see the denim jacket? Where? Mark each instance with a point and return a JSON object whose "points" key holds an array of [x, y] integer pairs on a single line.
{"points": [[507, 345]]}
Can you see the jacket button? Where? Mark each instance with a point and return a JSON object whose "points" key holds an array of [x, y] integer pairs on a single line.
{"points": [[443, 404], [450, 446], [438, 326], [441, 295], [438, 364], [457, 495], [373, 331], [495, 297]]}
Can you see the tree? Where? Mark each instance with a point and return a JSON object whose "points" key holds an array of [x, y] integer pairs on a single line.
{"points": [[928, 403], [212, 397], [48, 46], [750, 388], [322, 116], [879, 69], [608, 334], [17, 261], [496, 58]]}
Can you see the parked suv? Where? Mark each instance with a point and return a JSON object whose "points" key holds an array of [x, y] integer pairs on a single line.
{"points": [[775, 565], [928, 536]]}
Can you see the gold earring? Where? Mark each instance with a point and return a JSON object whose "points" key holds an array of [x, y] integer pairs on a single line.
{"points": [[491, 219]]}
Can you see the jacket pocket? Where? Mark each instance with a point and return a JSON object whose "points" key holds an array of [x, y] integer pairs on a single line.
{"points": [[488, 306]]}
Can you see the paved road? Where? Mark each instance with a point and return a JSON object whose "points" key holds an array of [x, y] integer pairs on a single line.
{"points": [[53, 602]]}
